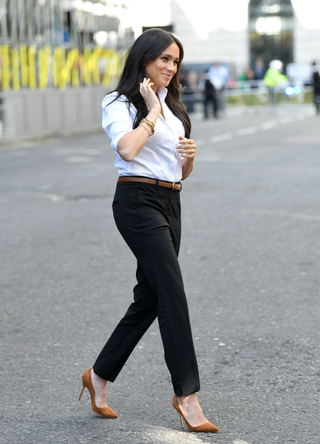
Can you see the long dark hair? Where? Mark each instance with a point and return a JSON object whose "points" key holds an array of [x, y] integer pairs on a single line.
{"points": [[145, 49]]}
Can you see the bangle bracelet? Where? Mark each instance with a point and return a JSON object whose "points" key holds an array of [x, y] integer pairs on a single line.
{"points": [[150, 125], [146, 127], [148, 120]]}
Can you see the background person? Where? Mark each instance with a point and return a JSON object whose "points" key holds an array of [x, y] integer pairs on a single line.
{"points": [[259, 69], [210, 98], [316, 85], [149, 131], [191, 90], [218, 76], [273, 78]]}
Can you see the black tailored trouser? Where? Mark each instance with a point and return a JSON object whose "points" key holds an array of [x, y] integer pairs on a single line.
{"points": [[148, 218], [210, 99]]}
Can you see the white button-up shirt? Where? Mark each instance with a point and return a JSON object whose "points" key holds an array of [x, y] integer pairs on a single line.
{"points": [[159, 158]]}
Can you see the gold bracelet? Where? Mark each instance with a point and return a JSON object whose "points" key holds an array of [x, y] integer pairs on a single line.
{"points": [[147, 128], [148, 120], [150, 124]]}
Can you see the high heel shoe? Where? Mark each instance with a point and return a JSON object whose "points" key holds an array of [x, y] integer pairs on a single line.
{"points": [[103, 411], [206, 427]]}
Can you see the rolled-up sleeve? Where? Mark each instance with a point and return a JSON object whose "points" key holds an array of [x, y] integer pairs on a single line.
{"points": [[117, 120]]}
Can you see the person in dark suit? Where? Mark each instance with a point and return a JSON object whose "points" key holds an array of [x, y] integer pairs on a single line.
{"points": [[316, 85], [259, 69], [210, 98]]}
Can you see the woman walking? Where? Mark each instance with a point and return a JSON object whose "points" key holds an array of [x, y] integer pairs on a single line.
{"points": [[149, 131]]}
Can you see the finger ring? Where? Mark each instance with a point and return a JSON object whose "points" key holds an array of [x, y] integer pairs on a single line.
{"points": [[192, 150]]}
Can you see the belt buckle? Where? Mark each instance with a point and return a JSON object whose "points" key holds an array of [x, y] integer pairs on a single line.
{"points": [[173, 185]]}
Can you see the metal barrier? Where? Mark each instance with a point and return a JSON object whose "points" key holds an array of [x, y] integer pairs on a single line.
{"points": [[252, 93], [7, 127], [28, 114]]}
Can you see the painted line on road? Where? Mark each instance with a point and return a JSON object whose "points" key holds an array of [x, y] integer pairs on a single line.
{"points": [[221, 137], [306, 216], [254, 129], [267, 125], [287, 119], [245, 131], [300, 117], [240, 441], [78, 159], [166, 436]]}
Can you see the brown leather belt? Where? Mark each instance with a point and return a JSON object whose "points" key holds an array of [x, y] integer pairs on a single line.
{"points": [[174, 186]]}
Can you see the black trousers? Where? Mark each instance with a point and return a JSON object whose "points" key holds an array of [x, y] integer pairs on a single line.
{"points": [[212, 99], [316, 93], [148, 218]]}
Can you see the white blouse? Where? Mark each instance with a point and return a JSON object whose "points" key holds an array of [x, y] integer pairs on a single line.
{"points": [[159, 158]]}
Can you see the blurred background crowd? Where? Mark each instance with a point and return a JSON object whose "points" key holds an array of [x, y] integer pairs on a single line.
{"points": [[249, 53], [212, 89]]}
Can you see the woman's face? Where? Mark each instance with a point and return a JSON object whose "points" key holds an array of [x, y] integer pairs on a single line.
{"points": [[161, 70]]}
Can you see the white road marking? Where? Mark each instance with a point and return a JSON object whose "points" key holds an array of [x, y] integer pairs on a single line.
{"points": [[240, 441], [92, 152], [78, 159], [221, 138], [287, 119], [267, 125], [306, 216], [245, 131], [64, 152], [254, 129], [165, 436], [55, 198]]}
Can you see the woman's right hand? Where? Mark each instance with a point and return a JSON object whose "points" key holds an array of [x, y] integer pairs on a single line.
{"points": [[149, 95], [132, 143]]}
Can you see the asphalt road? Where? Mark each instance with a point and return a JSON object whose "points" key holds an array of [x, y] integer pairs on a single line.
{"points": [[250, 258]]}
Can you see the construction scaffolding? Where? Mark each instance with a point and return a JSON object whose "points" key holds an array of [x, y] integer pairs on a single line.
{"points": [[56, 43], [30, 22], [63, 22], [50, 45]]}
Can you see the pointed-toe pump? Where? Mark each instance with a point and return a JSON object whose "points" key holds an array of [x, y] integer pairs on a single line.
{"points": [[107, 412], [207, 427]]}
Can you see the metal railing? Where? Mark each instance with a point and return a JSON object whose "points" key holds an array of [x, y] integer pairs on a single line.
{"points": [[242, 94], [252, 93], [7, 127]]}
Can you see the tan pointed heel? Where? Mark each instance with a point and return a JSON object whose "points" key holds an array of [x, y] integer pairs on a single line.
{"points": [[107, 412], [181, 422], [81, 392], [207, 427]]}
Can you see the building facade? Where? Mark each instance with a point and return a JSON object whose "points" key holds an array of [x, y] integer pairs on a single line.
{"points": [[240, 31]]}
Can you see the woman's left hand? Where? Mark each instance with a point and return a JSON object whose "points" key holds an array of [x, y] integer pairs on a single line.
{"points": [[186, 148]]}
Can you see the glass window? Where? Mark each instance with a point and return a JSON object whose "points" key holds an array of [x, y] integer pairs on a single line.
{"points": [[271, 31]]}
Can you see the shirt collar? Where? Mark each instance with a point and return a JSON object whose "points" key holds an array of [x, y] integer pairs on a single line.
{"points": [[162, 93]]}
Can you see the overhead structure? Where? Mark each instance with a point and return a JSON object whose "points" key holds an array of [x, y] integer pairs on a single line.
{"points": [[63, 22], [271, 29]]}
